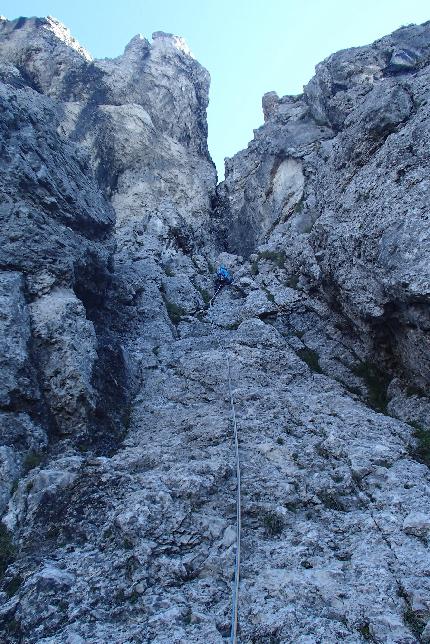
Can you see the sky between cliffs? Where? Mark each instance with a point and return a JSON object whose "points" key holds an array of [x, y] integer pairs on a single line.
{"points": [[249, 46]]}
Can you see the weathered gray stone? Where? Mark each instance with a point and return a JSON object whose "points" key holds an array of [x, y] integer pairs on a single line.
{"points": [[17, 382], [417, 523], [65, 346], [357, 228], [403, 59], [117, 460]]}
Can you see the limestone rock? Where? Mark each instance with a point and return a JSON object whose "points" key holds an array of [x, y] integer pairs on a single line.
{"points": [[417, 523], [356, 227], [17, 378], [117, 466], [65, 345]]}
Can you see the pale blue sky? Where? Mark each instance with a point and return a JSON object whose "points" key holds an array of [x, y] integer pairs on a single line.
{"points": [[249, 46]]}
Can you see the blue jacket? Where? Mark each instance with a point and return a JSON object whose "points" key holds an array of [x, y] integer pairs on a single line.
{"points": [[224, 275]]}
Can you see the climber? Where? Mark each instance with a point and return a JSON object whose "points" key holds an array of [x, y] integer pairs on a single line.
{"points": [[223, 277]]}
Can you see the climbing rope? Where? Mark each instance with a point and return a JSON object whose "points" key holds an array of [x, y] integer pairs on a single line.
{"points": [[212, 300], [235, 594], [235, 598]]}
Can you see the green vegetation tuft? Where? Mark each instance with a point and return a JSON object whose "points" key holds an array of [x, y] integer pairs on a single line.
{"points": [[365, 631], [299, 206], [269, 295], [377, 382], [169, 271], [293, 281], [414, 622], [421, 452], [7, 549], [127, 544], [175, 312], [108, 533], [33, 459], [277, 257], [233, 326], [134, 597], [331, 501], [187, 616], [254, 268], [12, 586], [206, 296], [273, 523], [311, 358]]}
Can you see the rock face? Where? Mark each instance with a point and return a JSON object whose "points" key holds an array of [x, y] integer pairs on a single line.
{"points": [[117, 486], [337, 179]]}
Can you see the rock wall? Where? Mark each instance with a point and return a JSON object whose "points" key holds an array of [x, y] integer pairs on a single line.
{"points": [[117, 485], [337, 179]]}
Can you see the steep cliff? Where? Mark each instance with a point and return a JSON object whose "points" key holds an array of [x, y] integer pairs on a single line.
{"points": [[337, 178], [117, 483]]}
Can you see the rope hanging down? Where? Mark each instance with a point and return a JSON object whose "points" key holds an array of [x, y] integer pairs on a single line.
{"points": [[235, 598], [235, 594]]}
